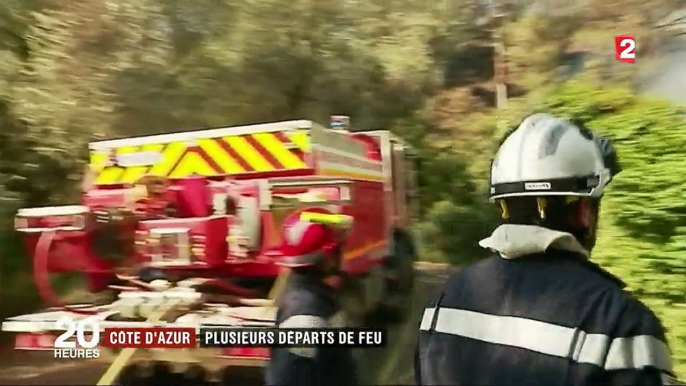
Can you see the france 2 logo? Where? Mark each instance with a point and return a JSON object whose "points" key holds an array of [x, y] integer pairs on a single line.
{"points": [[625, 48]]}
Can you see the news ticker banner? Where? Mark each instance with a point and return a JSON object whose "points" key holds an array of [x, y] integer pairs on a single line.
{"points": [[168, 337]]}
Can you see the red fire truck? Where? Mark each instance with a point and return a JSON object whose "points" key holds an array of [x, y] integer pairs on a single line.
{"points": [[193, 218]]}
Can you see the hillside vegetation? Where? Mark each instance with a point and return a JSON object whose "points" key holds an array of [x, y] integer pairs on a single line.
{"points": [[79, 70]]}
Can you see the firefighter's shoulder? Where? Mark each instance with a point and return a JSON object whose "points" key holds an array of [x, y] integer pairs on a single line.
{"points": [[479, 271], [303, 309], [639, 337], [456, 281], [634, 317], [635, 335]]}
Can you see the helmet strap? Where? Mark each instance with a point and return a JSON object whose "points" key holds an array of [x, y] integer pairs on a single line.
{"points": [[541, 202], [565, 214], [503, 207]]}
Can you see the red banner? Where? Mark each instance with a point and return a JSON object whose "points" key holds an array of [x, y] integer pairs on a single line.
{"points": [[154, 337]]}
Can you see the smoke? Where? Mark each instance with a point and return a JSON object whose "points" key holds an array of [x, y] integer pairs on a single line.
{"points": [[669, 79]]}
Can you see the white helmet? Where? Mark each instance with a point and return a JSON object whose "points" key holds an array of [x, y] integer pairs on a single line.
{"points": [[549, 156]]}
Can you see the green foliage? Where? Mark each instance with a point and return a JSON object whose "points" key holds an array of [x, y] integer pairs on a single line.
{"points": [[452, 231], [454, 212], [643, 232], [451, 198]]}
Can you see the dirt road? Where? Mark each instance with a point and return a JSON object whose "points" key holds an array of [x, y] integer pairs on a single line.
{"points": [[384, 366]]}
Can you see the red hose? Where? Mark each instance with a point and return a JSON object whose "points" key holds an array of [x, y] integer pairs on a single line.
{"points": [[41, 276]]}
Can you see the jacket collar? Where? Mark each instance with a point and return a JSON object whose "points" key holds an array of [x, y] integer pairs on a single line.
{"points": [[515, 241]]}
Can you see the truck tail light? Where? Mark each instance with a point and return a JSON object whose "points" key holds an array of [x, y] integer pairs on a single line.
{"points": [[246, 352], [34, 341], [170, 246], [66, 218]]}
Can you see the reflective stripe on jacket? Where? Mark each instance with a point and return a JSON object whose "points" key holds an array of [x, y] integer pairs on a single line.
{"points": [[545, 318]]}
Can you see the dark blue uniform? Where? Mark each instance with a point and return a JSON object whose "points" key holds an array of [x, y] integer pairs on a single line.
{"points": [[308, 303], [548, 318]]}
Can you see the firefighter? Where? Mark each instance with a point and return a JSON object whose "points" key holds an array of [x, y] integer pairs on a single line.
{"points": [[540, 312], [312, 251]]}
